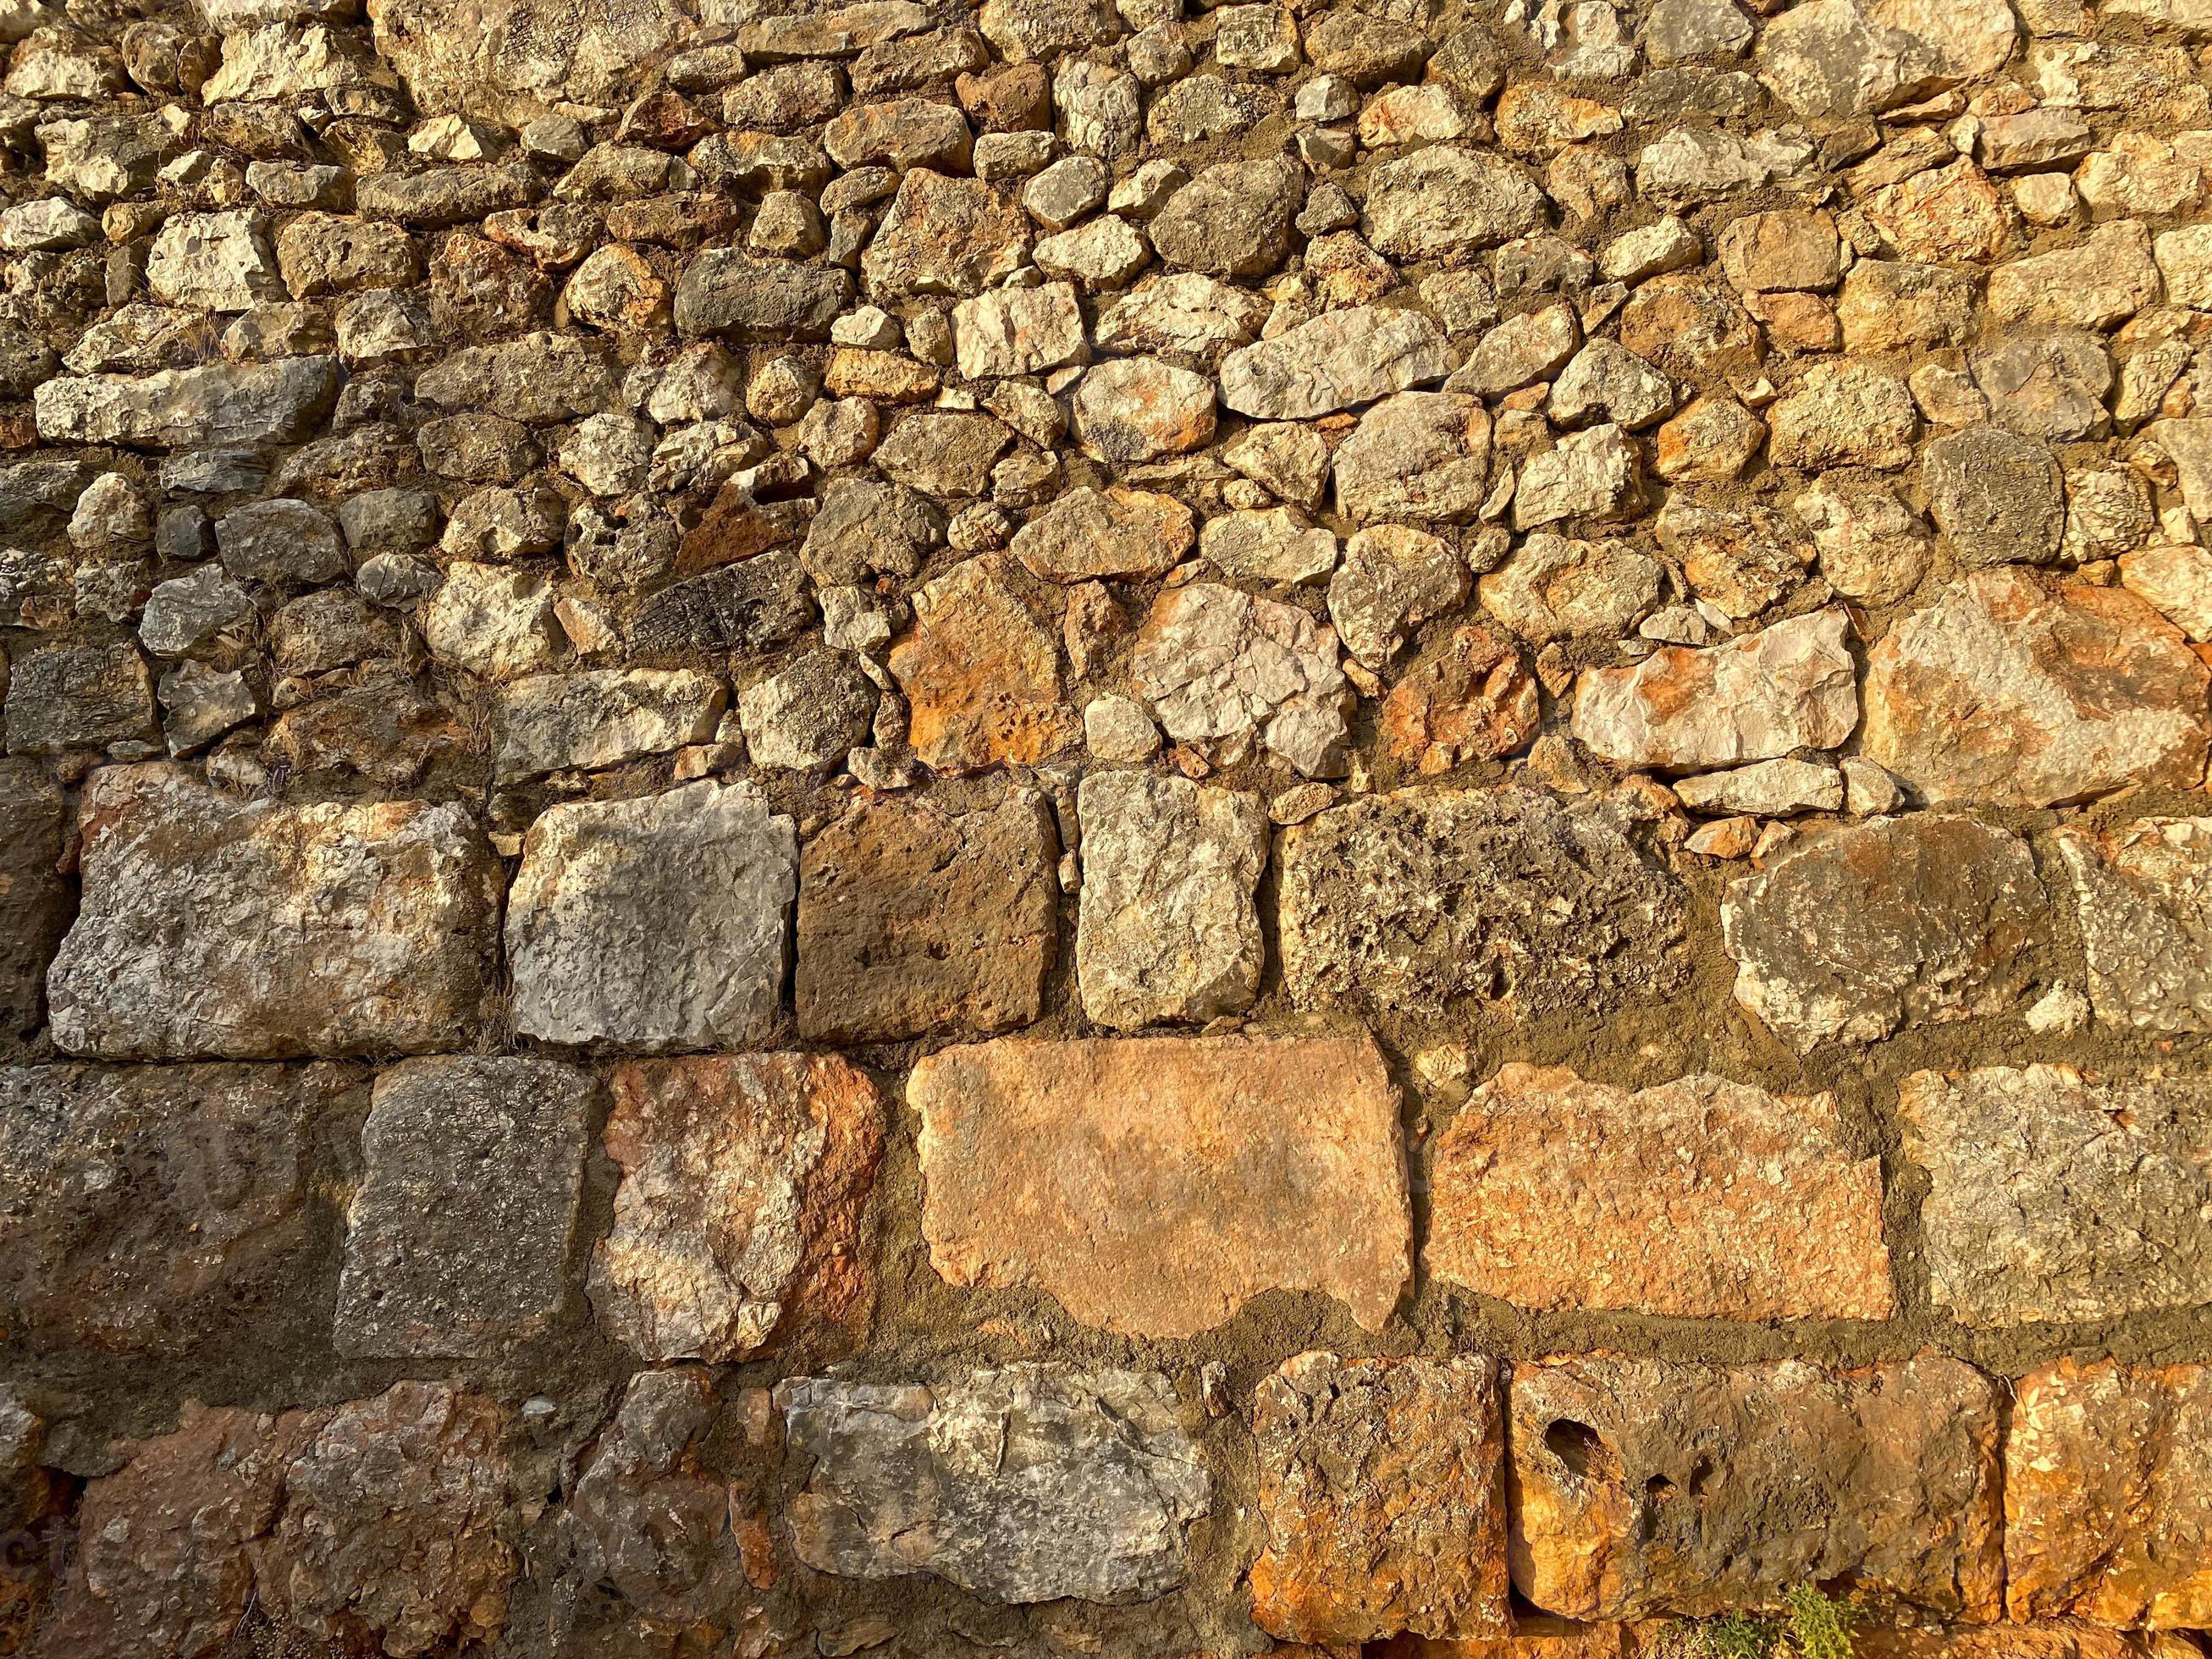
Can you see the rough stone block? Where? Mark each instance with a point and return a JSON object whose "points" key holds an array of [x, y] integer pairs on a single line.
{"points": [[2144, 892], [36, 900], [1153, 1186]]}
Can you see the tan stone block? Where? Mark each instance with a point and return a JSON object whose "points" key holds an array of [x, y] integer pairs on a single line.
{"points": [[1700, 1199], [1155, 1185]]}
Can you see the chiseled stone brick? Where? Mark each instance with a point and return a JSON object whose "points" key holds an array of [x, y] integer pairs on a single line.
{"points": [[740, 1213], [1383, 1490], [254, 930], [1654, 1486], [2051, 1198], [1153, 1186], [656, 924], [152, 1207], [1700, 1199], [2108, 1494], [457, 1239]]}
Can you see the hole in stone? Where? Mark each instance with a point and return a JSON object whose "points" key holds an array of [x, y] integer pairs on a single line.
{"points": [[1578, 1446], [1658, 1491]]}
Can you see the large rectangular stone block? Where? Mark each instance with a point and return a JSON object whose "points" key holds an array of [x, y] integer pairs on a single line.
{"points": [[1646, 1486], [35, 897], [1154, 1186], [254, 930]]}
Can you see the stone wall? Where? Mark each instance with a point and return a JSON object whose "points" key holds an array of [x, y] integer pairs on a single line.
{"points": [[1368, 828]]}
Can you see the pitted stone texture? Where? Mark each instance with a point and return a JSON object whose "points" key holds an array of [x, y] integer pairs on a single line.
{"points": [[2008, 693], [1168, 929], [1224, 671], [1382, 1488], [654, 924], [458, 1237], [982, 669], [1028, 1483], [147, 1208], [390, 1533], [516, 60], [646, 1482], [739, 1216], [914, 919], [36, 903], [257, 930], [1791, 686], [1654, 1486], [1701, 1199], [2108, 1494], [165, 1561], [1423, 902], [2143, 890], [1153, 1186], [1855, 934], [2052, 1199]]}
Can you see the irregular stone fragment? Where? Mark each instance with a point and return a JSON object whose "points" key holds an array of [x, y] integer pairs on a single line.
{"points": [[36, 903], [242, 403], [1017, 331], [1606, 381], [1129, 410], [143, 1208], [1393, 578], [1555, 908], [1419, 455], [729, 292], [1701, 1199], [390, 1530], [1791, 686], [1224, 670], [603, 717], [2105, 1494], [1738, 561], [1998, 497], [165, 1559], [458, 1237], [1276, 545], [494, 620], [1382, 1490], [2051, 386], [912, 920], [1338, 360], [737, 1218], [1829, 58], [944, 236], [1153, 1185], [2174, 580], [1168, 929], [1773, 788], [1090, 1493], [1870, 546], [652, 924], [2004, 692], [1186, 317], [257, 930], [1089, 533], [983, 673], [1854, 934], [1447, 202], [1555, 587], [2144, 893], [2105, 279], [1946, 214], [79, 693], [1843, 414], [1471, 699], [809, 715], [1889, 1474], [1233, 220], [943, 452], [2051, 1199], [519, 58]]}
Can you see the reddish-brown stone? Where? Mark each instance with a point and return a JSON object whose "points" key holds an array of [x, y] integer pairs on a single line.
{"points": [[1472, 699]]}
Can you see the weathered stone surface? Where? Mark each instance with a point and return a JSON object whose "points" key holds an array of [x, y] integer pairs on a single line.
{"points": [[739, 1216], [256, 930], [144, 1208], [1129, 410], [2144, 891], [1869, 545], [36, 903], [1828, 58], [1770, 789], [1701, 1199], [1860, 931], [1419, 455], [982, 673], [1224, 671], [1153, 1186], [1382, 1490], [166, 1543], [458, 1237], [281, 402], [2052, 1199], [1844, 414], [1472, 698], [1557, 588], [942, 235], [654, 924], [1393, 578], [1594, 474], [68, 694], [1338, 360], [1276, 545], [1791, 686], [2006, 692], [1089, 1494], [1996, 497], [2105, 1494], [1555, 908], [812, 714], [1887, 1477], [729, 292], [517, 59], [914, 919], [603, 717], [1233, 220], [1018, 331], [1445, 202], [389, 1534], [1168, 929]]}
